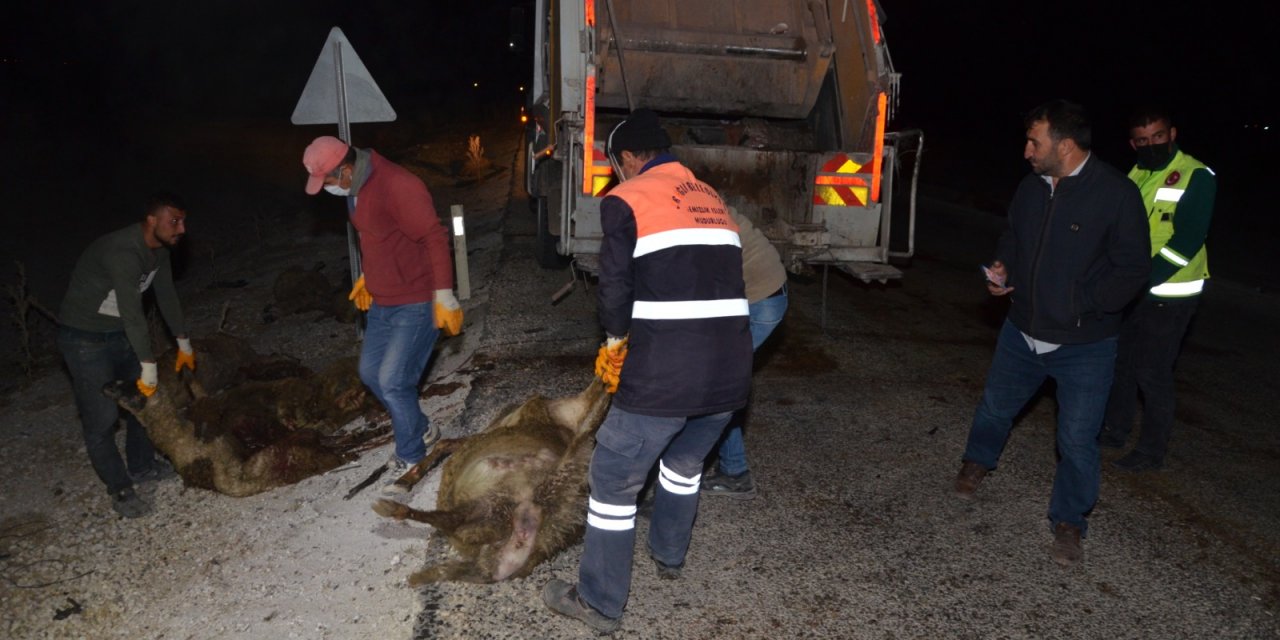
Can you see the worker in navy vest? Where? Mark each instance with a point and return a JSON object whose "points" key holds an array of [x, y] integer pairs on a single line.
{"points": [[1178, 192], [677, 352]]}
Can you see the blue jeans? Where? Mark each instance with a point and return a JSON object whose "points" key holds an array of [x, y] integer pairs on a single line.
{"points": [[1083, 373], [95, 359], [765, 316], [397, 344], [627, 445]]}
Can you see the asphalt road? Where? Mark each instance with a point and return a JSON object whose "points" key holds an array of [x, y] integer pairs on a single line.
{"points": [[857, 424]]}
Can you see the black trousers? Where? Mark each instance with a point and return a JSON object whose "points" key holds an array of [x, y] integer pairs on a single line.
{"points": [[1150, 341]]}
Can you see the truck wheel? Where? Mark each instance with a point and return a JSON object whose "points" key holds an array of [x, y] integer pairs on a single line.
{"points": [[544, 248]]}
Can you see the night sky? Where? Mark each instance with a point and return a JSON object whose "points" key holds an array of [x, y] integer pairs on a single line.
{"points": [[75, 72]]}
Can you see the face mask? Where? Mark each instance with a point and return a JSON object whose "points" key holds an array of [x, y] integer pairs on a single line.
{"points": [[336, 190], [1154, 156]]}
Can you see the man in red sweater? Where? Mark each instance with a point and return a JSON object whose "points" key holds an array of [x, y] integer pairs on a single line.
{"points": [[406, 287]]}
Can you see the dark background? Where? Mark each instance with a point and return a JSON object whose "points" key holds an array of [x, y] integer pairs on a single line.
{"points": [[93, 93]]}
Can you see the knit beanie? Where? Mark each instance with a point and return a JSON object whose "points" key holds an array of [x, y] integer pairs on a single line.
{"points": [[639, 132]]}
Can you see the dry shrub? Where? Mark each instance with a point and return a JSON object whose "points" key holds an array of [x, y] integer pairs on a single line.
{"points": [[476, 164]]}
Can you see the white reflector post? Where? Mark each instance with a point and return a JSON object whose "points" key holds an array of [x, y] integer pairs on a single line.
{"points": [[460, 253]]}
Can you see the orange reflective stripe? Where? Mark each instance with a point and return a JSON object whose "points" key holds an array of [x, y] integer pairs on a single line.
{"points": [[875, 21], [589, 127], [841, 180], [876, 159]]}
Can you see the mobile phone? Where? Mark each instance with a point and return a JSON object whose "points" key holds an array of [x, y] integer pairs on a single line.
{"points": [[992, 277]]}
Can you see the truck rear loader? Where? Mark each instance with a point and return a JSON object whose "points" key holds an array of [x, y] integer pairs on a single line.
{"points": [[780, 105]]}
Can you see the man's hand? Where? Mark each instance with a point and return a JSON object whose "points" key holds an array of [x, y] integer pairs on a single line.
{"points": [[448, 312], [997, 276], [147, 383], [186, 356], [360, 296], [609, 362]]}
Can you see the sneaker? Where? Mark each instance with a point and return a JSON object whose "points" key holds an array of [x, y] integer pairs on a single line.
{"points": [[432, 436], [160, 470], [127, 503], [1135, 462], [1067, 550], [1109, 439], [967, 481], [395, 468], [562, 598], [739, 487], [666, 571]]}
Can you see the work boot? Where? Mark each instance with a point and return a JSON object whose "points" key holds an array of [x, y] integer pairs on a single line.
{"points": [[739, 487], [1136, 462], [666, 571], [1067, 550], [562, 598], [127, 503], [1109, 439], [967, 481]]}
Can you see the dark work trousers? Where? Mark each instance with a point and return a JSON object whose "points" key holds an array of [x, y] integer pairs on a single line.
{"points": [[1150, 340], [95, 359], [627, 445]]}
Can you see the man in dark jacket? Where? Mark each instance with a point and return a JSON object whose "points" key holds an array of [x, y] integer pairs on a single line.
{"points": [[674, 306], [1076, 252], [103, 336]]}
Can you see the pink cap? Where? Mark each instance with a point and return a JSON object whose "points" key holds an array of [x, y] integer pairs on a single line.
{"points": [[322, 156]]}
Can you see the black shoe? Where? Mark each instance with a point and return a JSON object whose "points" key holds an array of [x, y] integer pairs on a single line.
{"points": [[1136, 462], [739, 487], [562, 598], [1111, 440], [160, 470], [666, 571], [127, 503]]}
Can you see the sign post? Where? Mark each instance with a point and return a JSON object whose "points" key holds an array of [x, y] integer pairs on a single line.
{"points": [[340, 90]]}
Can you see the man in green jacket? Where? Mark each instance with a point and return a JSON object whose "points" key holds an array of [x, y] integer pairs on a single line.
{"points": [[1178, 192], [103, 337]]}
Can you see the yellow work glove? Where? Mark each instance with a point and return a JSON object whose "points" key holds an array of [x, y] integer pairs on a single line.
{"points": [[147, 383], [609, 362], [360, 296], [448, 312], [186, 356]]}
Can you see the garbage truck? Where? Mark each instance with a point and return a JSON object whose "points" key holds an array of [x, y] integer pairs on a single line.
{"points": [[782, 106]]}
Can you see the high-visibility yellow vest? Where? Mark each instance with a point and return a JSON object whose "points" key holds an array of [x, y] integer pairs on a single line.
{"points": [[1161, 191]]}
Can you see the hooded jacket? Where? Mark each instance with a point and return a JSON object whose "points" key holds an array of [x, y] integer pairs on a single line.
{"points": [[1076, 254]]}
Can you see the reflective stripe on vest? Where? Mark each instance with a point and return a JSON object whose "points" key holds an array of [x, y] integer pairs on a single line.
{"points": [[611, 517], [689, 309], [1165, 194], [1178, 289], [680, 237], [674, 210], [1174, 257]]}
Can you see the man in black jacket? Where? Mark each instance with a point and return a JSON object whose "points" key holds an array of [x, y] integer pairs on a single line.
{"points": [[1075, 253]]}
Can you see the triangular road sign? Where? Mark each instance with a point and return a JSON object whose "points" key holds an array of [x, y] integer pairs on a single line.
{"points": [[319, 101]]}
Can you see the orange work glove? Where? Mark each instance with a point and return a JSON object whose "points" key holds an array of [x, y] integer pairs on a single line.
{"points": [[609, 362], [360, 296], [186, 356], [448, 312], [147, 383]]}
